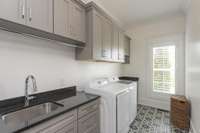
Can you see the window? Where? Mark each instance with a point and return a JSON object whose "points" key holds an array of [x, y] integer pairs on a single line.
{"points": [[164, 69]]}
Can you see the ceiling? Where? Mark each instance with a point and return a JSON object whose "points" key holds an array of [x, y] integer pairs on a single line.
{"points": [[132, 11]]}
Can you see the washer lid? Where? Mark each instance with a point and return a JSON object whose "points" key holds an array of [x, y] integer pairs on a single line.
{"points": [[97, 83]]}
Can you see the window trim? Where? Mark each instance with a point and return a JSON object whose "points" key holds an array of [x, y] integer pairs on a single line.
{"points": [[153, 69], [177, 40]]}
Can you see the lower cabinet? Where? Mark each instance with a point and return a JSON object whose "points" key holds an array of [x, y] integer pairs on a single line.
{"points": [[66, 123], [89, 123], [85, 119]]}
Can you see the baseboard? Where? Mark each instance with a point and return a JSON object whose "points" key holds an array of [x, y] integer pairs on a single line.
{"points": [[192, 129], [155, 103]]}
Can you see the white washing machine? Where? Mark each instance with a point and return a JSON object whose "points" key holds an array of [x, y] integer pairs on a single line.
{"points": [[118, 103]]}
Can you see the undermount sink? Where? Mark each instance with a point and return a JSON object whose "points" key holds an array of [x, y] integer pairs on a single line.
{"points": [[30, 113]]}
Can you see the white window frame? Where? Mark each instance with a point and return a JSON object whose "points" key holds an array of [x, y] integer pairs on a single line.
{"points": [[164, 69], [178, 42]]}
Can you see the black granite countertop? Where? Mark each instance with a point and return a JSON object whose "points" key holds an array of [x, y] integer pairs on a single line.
{"points": [[129, 78], [70, 98]]}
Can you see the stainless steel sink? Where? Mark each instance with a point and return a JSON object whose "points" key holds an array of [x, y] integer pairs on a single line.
{"points": [[30, 113]]}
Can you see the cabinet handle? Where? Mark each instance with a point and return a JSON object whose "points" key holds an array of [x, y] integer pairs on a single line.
{"points": [[23, 8], [30, 14]]}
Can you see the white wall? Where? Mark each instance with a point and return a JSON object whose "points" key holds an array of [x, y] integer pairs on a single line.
{"points": [[193, 61], [53, 65], [141, 34]]}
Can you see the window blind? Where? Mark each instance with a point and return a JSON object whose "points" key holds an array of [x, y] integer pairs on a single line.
{"points": [[164, 69]]}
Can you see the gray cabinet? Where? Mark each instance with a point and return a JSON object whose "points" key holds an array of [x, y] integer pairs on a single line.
{"points": [[40, 14], [89, 123], [85, 119], [121, 47], [77, 22], [115, 44], [99, 37], [69, 19], [96, 31], [13, 10], [89, 118], [61, 17], [66, 123], [118, 47], [107, 39], [127, 48], [34, 13]]}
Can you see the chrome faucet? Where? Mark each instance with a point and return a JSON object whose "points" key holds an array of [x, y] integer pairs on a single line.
{"points": [[27, 97]]}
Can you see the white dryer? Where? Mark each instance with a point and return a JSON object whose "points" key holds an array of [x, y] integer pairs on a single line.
{"points": [[117, 99]]}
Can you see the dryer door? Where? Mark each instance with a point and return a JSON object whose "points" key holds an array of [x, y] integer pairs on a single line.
{"points": [[123, 112], [133, 103]]}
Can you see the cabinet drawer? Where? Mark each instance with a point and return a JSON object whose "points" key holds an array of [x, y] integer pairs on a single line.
{"points": [[92, 130], [68, 129], [63, 126], [88, 108], [89, 123], [55, 124]]}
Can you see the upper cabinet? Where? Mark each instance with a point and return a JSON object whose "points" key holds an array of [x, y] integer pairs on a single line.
{"points": [[127, 48], [115, 44], [118, 48], [121, 47], [13, 10], [99, 37], [105, 41], [34, 13], [40, 14], [95, 37], [78, 22], [58, 20], [69, 19]]}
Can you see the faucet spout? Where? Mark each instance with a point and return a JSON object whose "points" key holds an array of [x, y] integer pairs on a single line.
{"points": [[34, 87]]}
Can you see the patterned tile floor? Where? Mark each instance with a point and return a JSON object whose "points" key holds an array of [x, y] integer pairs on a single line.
{"points": [[152, 120]]}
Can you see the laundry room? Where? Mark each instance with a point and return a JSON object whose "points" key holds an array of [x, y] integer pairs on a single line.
{"points": [[99, 66]]}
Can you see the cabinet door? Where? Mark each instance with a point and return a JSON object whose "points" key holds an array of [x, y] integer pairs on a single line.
{"points": [[40, 14], [61, 17], [127, 43], [115, 44], [123, 112], [107, 39], [77, 22], [133, 103], [89, 123], [97, 36], [61, 128], [65, 122], [13, 10], [121, 47], [67, 129]]}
